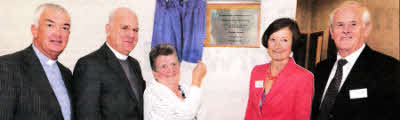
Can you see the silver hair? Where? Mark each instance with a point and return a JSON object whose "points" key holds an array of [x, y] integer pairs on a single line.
{"points": [[111, 16], [39, 10], [366, 16]]}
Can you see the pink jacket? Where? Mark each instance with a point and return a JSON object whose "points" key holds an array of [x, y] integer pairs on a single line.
{"points": [[289, 97]]}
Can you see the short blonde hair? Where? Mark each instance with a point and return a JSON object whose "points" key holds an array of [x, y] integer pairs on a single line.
{"points": [[366, 16]]}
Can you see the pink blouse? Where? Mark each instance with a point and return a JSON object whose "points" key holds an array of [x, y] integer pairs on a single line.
{"points": [[289, 98]]}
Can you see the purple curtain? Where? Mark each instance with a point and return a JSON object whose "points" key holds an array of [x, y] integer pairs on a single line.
{"points": [[182, 24]]}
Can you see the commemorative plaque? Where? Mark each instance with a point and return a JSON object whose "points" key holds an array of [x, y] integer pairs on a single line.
{"points": [[235, 25]]}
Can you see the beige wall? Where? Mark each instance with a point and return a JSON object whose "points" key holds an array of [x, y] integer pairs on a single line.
{"points": [[385, 17], [303, 15], [225, 88]]}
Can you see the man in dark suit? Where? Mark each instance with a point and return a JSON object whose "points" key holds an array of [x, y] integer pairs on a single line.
{"points": [[359, 83], [33, 84], [108, 83]]}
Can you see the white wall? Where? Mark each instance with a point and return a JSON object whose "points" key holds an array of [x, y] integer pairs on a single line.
{"points": [[225, 87]]}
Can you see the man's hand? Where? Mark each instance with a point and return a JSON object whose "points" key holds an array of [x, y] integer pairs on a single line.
{"points": [[198, 73]]}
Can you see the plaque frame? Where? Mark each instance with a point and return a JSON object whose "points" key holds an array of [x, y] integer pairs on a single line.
{"points": [[251, 6]]}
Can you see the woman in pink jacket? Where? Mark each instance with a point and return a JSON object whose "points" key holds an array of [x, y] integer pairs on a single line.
{"points": [[280, 89]]}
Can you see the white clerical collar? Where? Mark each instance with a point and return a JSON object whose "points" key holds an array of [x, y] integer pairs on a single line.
{"points": [[353, 56], [117, 54], [42, 57], [51, 62]]}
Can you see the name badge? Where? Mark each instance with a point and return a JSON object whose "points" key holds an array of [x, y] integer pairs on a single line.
{"points": [[358, 93], [259, 84]]}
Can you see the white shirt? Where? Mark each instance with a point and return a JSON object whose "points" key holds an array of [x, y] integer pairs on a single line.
{"points": [[160, 103], [117, 54], [351, 59]]}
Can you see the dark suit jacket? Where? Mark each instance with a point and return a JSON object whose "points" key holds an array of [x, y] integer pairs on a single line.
{"points": [[25, 91], [378, 73], [102, 90]]}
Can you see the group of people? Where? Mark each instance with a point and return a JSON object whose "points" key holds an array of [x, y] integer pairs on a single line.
{"points": [[356, 84], [107, 84]]}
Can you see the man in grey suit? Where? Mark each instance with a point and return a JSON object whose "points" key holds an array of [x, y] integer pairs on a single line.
{"points": [[358, 83], [33, 84], [108, 83]]}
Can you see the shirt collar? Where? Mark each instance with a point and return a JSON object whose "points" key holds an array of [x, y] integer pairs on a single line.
{"points": [[353, 56], [117, 54], [43, 58]]}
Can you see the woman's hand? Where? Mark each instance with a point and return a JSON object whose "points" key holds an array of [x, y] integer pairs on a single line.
{"points": [[198, 73]]}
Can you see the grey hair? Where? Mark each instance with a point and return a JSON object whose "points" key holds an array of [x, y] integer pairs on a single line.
{"points": [[366, 16], [39, 10], [112, 13]]}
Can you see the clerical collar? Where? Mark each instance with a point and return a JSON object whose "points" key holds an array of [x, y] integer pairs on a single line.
{"points": [[117, 54], [42, 57]]}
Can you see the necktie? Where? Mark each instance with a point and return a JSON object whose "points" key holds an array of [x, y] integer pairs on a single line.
{"points": [[333, 90]]}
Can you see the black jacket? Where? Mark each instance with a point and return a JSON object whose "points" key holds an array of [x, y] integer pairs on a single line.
{"points": [[25, 91], [102, 90], [376, 72]]}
